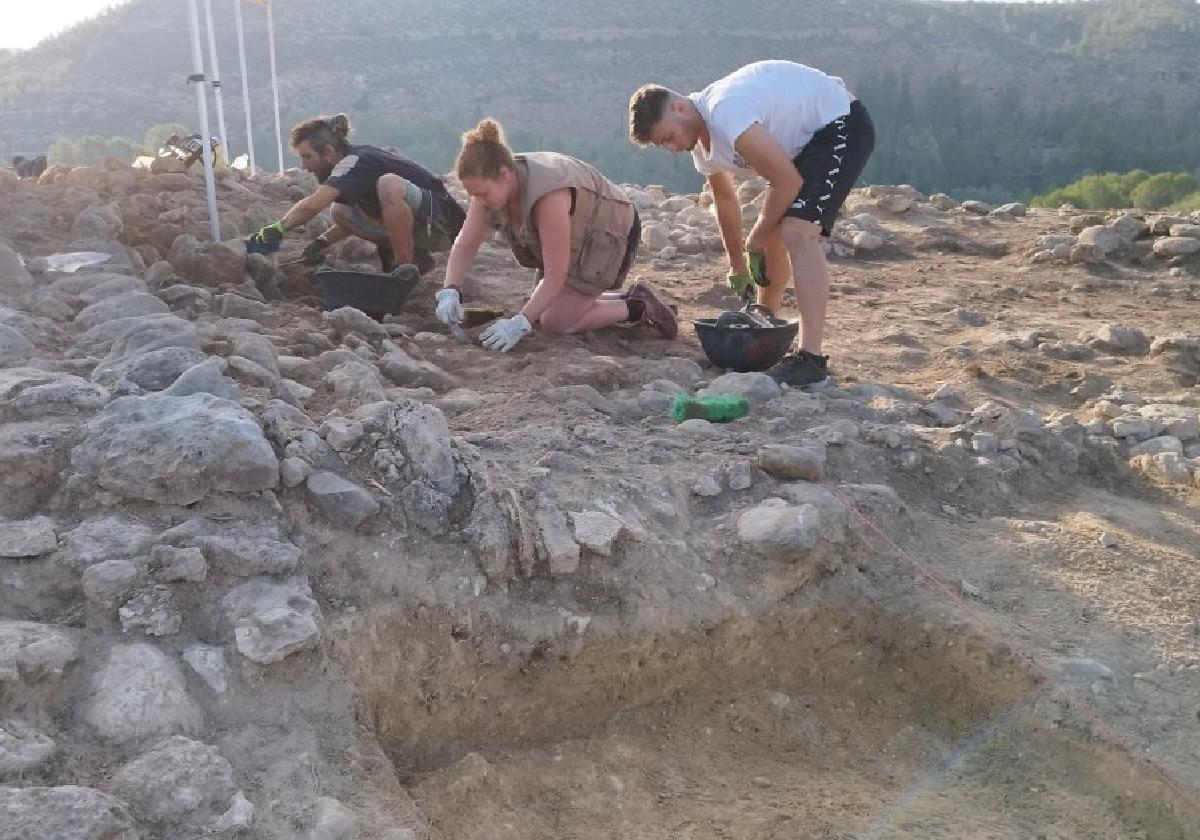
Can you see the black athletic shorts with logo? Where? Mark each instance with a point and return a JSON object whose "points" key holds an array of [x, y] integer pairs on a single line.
{"points": [[830, 164]]}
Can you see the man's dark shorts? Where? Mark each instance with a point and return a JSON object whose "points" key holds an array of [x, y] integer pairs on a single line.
{"points": [[436, 223], [830, 164]]}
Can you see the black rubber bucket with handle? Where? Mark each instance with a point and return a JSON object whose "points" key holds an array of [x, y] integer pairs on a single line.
{"points": [[375, 294], [750, 340]]}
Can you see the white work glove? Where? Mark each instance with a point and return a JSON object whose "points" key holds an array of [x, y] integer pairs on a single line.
{"points": [[449, 307], [505, 333]]}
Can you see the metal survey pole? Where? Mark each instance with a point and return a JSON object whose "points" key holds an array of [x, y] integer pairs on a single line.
{"points": [[241, 39], [197, 79], [274, 80], [216, 78]]}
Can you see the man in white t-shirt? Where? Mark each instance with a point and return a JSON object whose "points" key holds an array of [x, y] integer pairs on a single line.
{"points": [[808, 136]]}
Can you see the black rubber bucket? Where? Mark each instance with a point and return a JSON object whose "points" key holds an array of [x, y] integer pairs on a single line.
{"points": [[743, 343], [375, 294]]}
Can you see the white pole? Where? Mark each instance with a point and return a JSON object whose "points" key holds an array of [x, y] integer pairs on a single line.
{"points": [[216, 79], [241, 39], [274, 80], [197, 78]]}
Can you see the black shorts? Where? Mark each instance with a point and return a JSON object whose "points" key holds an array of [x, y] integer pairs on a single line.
{"points": [[830, 164]]}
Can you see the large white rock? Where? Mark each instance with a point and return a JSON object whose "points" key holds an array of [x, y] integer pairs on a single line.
{"points": [[140, 693], [204, 378], [22, 748], [28, 537], [14, 278], [941, 201], [208, 662], [1176, 246], [1180, 421], [30, 651], [1130, 228], [421, 432], [1134, 427], [1120, 338], [1014, 209], [42, 394], [129, 305], [790, 463], [596, 531], [246, 554], [239, 814], [33, 456], [333, 821], [676, 204], [176, 450], [272, 620], [68, 812], [356, 380], [101, 286], [785, 532], [756, 387], [98, 540], [895, 203], [15, 348], [867, 241], [1164, 466], [343, 502], [1163, 443], [555, 543], [175, 778], [656, 236], [109, 581], [1105, 238]]}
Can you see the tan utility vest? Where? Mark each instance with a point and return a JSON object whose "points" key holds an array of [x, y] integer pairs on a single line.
{"points": [[601, 218]]}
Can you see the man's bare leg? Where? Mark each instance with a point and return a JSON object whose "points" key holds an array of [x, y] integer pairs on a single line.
{"points": [[397, 216], [347, 222], [810, 272], [779, 272]]}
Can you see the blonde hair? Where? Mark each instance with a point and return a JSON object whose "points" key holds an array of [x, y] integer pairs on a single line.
{"points": [[323, 132], [484, 152]]}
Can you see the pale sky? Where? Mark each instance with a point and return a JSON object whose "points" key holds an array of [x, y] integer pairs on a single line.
{"points": [[29, 21], [32, 20]]}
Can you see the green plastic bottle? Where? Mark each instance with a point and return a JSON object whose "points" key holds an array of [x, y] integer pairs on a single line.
{"points": [[723, 408]]}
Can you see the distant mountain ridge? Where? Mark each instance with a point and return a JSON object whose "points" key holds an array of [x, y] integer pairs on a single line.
{"points": [[414, 74]]}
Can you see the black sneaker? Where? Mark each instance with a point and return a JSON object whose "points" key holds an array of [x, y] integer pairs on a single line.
{"points": [[423, 260], [387, 262], [801, 370]]}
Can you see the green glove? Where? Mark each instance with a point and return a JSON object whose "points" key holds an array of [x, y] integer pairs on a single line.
{"points": [[740, 282], [756, 267], [266, 240]]}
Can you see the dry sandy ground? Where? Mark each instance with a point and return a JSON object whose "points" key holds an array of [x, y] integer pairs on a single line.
{"points": [[858, 713]]}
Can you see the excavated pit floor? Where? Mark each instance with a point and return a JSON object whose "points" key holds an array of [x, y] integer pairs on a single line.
{"points": [[817, 721]]}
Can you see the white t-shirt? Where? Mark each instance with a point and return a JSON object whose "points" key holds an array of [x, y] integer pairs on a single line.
{"points": [[791, 101]]}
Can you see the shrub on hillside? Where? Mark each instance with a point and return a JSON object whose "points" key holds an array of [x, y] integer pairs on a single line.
{"points": [[1187, 204], [1095, 192], [1114, 190], [1163, 190]]}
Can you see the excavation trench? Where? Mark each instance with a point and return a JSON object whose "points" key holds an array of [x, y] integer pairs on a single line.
{"points": [[818, 720]]}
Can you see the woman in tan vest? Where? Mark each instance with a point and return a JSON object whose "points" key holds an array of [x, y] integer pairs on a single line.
{"points": [[562, 217]]}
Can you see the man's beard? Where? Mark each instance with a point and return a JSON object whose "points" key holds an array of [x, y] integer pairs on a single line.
{"points": [[323, 173]]}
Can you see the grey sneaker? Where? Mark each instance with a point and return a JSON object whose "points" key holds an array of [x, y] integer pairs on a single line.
{"points": [[801, 370]]}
